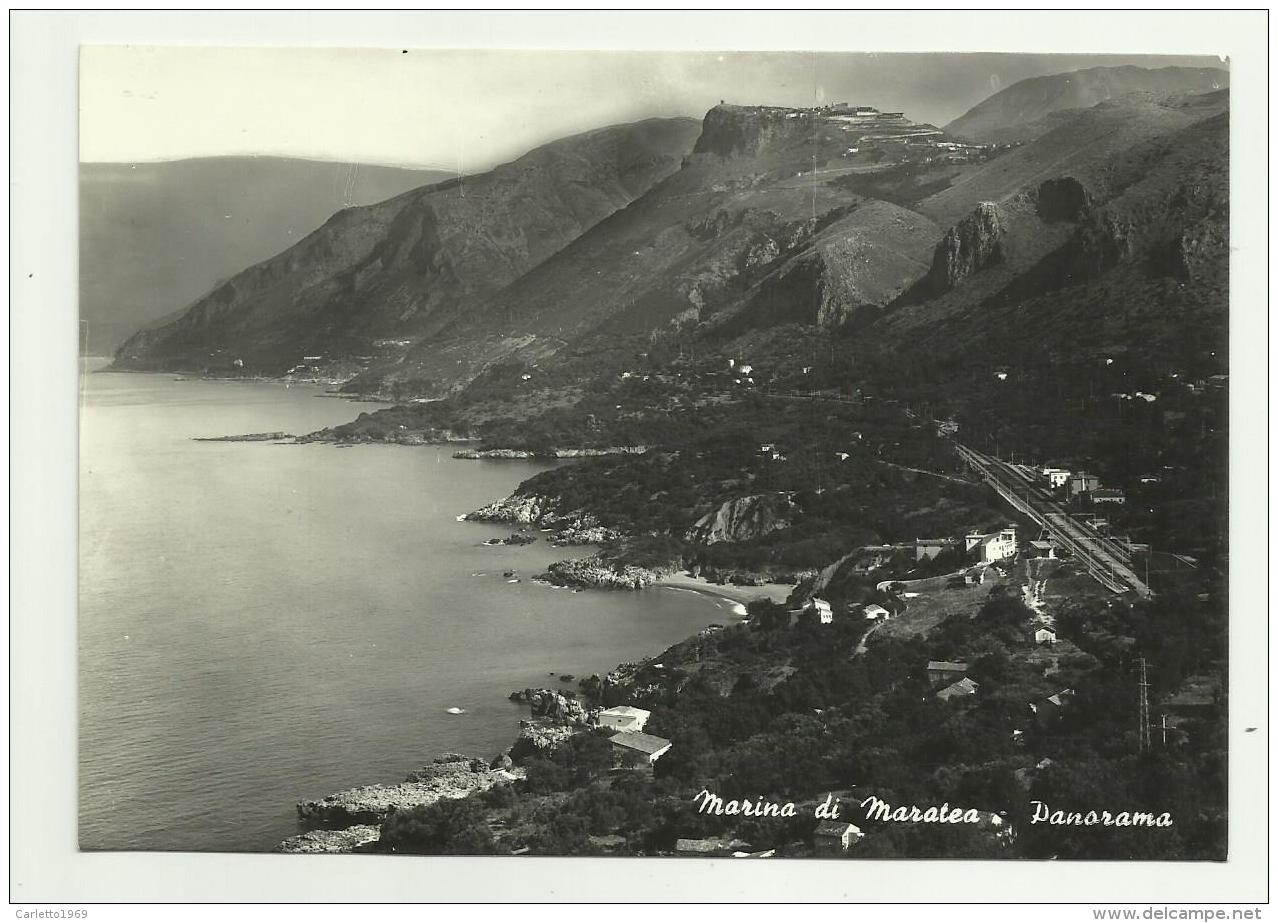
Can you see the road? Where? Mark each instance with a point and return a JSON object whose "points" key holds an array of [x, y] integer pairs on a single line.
{"points": [[1105, 559]]}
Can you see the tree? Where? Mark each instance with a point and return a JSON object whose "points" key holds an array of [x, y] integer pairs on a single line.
{"points": [[545, 776], [450, 826]]}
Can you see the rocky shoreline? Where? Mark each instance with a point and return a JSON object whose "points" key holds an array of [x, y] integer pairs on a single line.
{"points": [[345, 820], [552, 453], [571, 528], [598, 573], [248, 437], [350, 821]]}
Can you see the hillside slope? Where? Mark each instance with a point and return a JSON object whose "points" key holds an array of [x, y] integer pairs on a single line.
{"points": [[155, 236], [760, 226], [1044, 191], [401, 269], [1030, 108], [1140, 268]]}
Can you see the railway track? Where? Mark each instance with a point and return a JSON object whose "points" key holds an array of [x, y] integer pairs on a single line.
{"points": [[1107, 561]]}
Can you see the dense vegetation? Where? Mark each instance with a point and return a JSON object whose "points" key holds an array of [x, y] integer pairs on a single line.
{"points": [[790, 713]]}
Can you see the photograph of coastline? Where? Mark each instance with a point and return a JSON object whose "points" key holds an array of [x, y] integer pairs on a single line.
{"points": [[664, 454]]}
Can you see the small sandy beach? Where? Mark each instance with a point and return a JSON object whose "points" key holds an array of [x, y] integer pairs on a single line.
{"points": [[777, 592]]}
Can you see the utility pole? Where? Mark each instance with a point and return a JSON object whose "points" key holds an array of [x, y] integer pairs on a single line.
{"points": [[1144, 708]]}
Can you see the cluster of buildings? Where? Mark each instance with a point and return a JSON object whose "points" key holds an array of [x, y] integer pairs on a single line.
{"points": [[824, 611], [983, 547], [630, 744], [950, 679], [1080, 484]]}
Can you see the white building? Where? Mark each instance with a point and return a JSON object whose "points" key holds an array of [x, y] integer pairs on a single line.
{"points": [[992, 547], [875, 612], [822, 608], [1056, 477], [834, 836], [624, 718]]}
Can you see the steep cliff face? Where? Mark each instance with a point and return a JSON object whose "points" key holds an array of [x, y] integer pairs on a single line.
{"points": [[373, 278], [749, 130], [743, 519], [1131, 248], [851, 267], [972, 245]]}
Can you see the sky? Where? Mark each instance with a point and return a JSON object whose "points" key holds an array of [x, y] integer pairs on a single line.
{"points": [[470, 110]]}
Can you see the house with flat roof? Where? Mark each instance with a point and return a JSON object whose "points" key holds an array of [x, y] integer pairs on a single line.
{"points": [[994, 546], [1055, 477], [624, 718]]}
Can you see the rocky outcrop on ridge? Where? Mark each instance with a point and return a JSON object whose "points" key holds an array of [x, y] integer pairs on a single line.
{"points": [[970, 246]]}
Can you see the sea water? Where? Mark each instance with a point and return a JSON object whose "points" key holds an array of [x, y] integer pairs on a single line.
{"points": [[262, 623]]}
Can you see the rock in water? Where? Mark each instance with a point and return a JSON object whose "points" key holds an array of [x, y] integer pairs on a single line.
{"points": [[331, 841]]}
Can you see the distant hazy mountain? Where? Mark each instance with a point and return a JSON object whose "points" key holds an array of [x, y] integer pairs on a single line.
{"points": [[404, 267], [155, 236], [1033, 107]]}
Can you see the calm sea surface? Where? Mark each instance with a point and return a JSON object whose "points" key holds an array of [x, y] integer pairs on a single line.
{"points": [[262, 623]]}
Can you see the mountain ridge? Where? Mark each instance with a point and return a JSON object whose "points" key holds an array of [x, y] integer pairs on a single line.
{"points": [[155, 236], [1031, 107], [407, 265]]}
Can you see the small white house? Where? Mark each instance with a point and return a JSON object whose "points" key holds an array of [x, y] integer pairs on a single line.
{"points": [[875, 612], [822, 608], [833, 836], [992, 547], [1056, 477], [1045, 636], [624, 718]]}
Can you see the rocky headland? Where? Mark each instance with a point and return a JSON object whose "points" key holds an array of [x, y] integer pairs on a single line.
{"points": [[248, 437], [598, 572], [449, 776], [576, 527], [551, 453]]}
